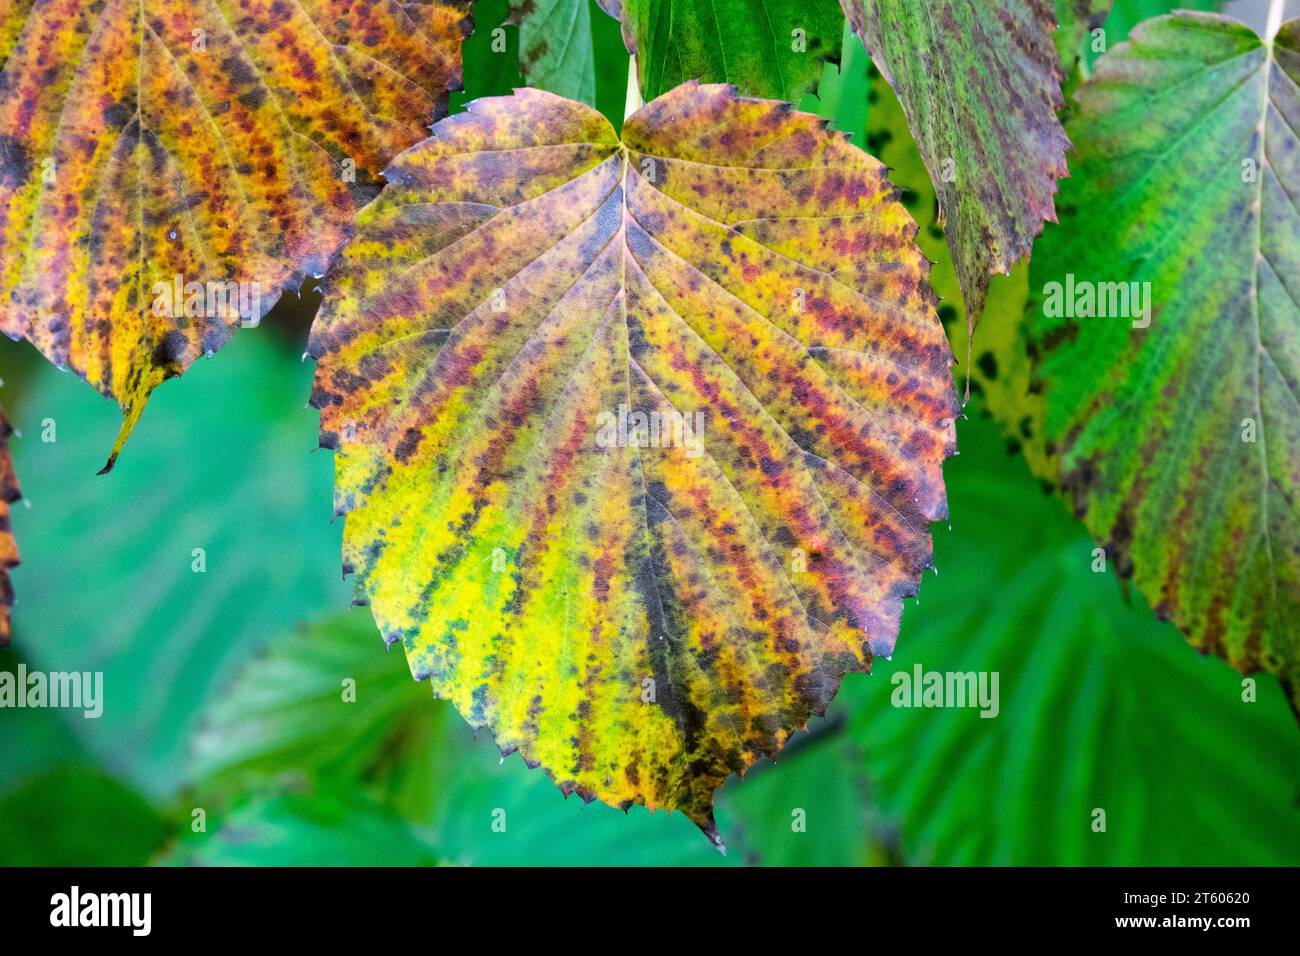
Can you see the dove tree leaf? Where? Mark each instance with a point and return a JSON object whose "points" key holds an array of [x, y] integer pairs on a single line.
{"points": [[1098, 706], [638, 440], [770, 48], [166, 168], [1168, 329], [9, 493], [980, 83]]}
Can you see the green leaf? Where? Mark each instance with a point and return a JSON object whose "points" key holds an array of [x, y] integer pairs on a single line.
{"points": [[841, 95], [1075, 19], [33, 739], [555, 48], [1125, 15], [324, 700], [528, 285], [109, 581], [312, 830], [809, 808], [1177, 422], [492, 810], [824, 779], [1100, 707], [999, 370], [507, 32], [768, 48], [491, 65], [77, 817], [283, 721], [980, 83]]}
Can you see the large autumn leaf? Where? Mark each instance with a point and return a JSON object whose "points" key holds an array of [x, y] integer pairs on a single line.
{"points": [[9, 493], [1171, 398], [772, 48], [980, 82], [639, 440], [157, 146]]}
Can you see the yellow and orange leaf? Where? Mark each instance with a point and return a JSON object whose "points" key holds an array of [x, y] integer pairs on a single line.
{"points": [[149, 147], [639, 440]]}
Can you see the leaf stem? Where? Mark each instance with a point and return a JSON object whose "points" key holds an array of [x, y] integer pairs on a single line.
{"points": [[634, 100], [1275, 9]]}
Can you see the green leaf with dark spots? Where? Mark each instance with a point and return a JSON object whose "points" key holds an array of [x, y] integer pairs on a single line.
{"points": [[768, 48], [1125, 15], [1175, 413], [999, 367], [555, 51], [980, 83]]}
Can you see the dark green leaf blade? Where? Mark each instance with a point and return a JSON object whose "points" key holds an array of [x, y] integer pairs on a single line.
{"points": [[327, 701], [76, 816]]}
